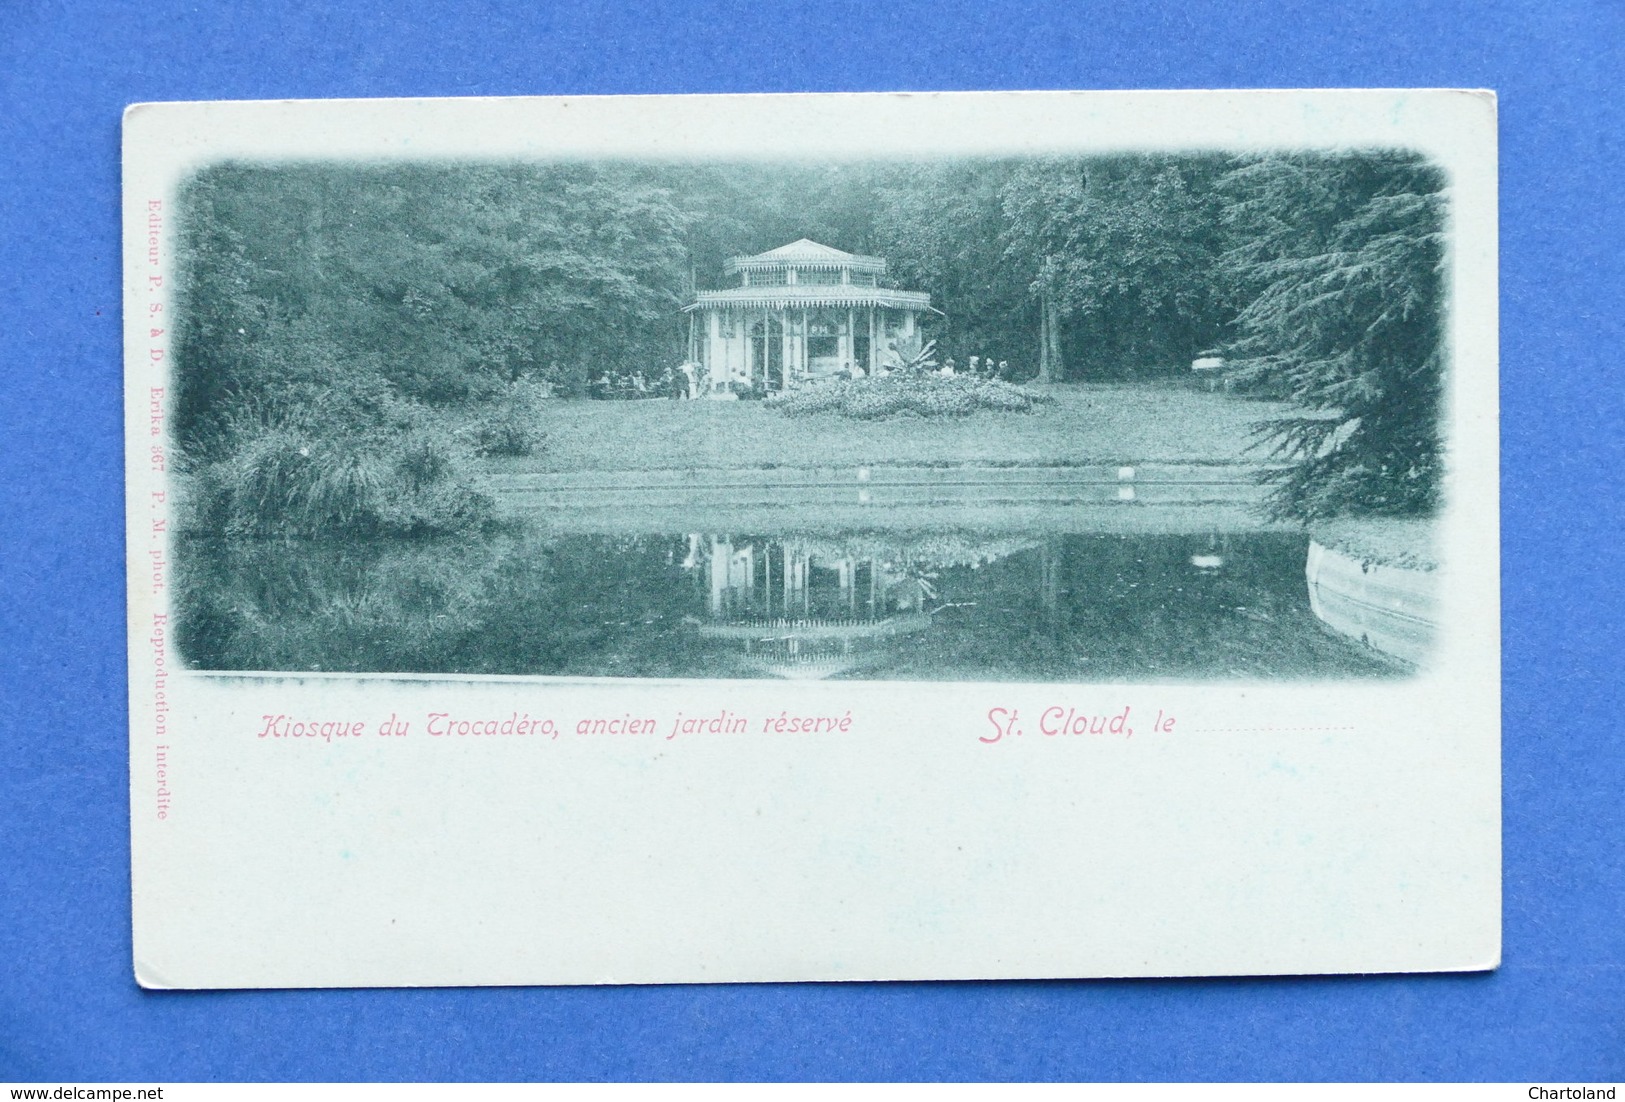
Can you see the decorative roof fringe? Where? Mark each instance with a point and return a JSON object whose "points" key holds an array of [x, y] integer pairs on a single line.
{"points": [[777, 298], [737, 264]]}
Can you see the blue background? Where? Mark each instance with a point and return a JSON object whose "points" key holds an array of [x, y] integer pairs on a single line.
{"points": [[68, 1007]]}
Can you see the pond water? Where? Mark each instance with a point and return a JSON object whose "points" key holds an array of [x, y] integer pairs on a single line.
{"points": [[923, 605]]}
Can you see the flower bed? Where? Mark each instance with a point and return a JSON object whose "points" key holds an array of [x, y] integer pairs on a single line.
{"points": [[924, 395]]}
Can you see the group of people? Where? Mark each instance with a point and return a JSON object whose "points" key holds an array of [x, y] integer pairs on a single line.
{"points": [[615, 384], [978, 365], [686, 379]]}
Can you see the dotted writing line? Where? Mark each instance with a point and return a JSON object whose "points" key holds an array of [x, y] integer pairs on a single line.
{"points": [[1232, 730]]}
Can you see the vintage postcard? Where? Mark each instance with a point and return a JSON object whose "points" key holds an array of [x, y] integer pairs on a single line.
{"points": [[858, 537]]}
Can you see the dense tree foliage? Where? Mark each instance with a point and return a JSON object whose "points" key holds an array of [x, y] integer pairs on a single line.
{"points": [[436, 285], [1341, 261], [443, 281], [1124, 250], [942, 228]]}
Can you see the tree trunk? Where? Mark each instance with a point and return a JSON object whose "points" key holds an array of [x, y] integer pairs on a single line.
{"points": [[1050, 366], [1057, 365]]}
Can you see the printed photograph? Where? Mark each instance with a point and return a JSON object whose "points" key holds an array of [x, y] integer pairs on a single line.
{"points": [[1136, 417]]}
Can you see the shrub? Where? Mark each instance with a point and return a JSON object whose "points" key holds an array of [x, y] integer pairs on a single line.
{"points": [[898, 394], [509, 426], [499, 433], [308, 473]]}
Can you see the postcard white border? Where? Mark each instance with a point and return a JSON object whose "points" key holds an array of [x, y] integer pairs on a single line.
{"points": [[1313, 827]]}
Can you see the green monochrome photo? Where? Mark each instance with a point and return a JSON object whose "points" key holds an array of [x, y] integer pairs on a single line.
{"points": [[1127, 415]]}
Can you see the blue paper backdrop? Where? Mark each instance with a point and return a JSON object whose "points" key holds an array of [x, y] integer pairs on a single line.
{"points": [[68, 1007]]}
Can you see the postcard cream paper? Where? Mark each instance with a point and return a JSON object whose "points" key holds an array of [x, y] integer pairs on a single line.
{"points": [[812, 537]]}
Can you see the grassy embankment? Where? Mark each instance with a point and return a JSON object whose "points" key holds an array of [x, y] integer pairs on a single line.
{"points": [[1085, 424]]}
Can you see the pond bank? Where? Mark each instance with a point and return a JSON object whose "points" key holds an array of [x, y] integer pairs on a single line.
{"points": [[1164, 497], [1376, 581], [1391, 609]]}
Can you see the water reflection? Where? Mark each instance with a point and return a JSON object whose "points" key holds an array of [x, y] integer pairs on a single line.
{"points": [[859, 604], [806, 607]]}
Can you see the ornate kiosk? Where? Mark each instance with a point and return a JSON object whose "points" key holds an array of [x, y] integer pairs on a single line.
{"points": [[801, 311]]}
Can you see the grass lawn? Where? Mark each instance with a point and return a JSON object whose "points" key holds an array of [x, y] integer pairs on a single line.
{"points": [[1388, 541], [1128, 423]]}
